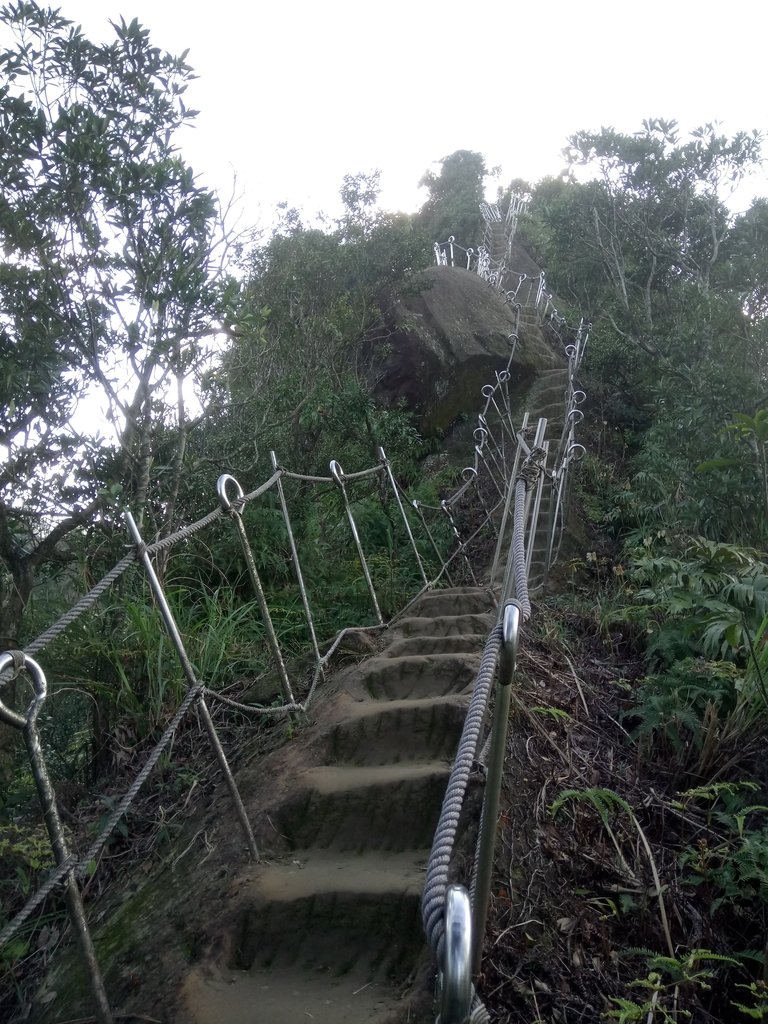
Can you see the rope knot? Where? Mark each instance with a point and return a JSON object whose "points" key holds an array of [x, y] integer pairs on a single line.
{"points": [[531, 468], [18, 662]]}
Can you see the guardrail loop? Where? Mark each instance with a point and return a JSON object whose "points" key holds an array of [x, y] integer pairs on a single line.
{"points": [[233, 508], [338, 475], [455, 979], [27, 724], [194, 685], [308, 618]]}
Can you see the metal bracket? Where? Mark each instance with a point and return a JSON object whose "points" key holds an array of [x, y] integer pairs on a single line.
{"points": [[511, 617], [221, 490], [17, 660], [456, 974]]}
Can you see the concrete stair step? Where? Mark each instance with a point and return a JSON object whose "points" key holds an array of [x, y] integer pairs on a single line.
{"points": [[443, 625], [364, 808], [373, 733], [416, 675], [454, 601], [285, 996], [465, 643]]}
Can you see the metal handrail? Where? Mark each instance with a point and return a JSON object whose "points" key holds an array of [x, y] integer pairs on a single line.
{"points": [[511, 616], [498, 443], [455, 980]]}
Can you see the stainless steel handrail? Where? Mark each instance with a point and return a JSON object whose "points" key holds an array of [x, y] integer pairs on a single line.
{"points": [[455, 982]]}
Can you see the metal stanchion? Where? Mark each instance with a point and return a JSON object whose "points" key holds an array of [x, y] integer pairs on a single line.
{"points": [[28, 727], [511, 619], [221, 489], [194, 683], [338, 475]]}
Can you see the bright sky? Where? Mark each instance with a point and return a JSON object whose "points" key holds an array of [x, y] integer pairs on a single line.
{"points": [[293, 94]]}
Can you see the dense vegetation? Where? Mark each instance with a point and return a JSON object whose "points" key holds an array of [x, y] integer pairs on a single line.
{"points": [[674, 492], [118, 278], [121, 288]]}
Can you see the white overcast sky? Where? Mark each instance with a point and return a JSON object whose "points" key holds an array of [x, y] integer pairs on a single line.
{"points": [[294, 94]]}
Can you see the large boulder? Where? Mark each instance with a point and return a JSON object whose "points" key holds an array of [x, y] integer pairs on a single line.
{"points": [[443, 340]]}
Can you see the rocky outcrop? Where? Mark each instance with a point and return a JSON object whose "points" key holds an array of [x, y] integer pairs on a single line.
{"points": [[442, 342]]}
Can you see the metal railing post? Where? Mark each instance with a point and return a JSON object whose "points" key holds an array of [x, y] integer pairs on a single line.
{"points": [[193, 683], [28, 727], [508, 503], [511, 616], [393, 484], [338, 475], [237, 519], [533, 525], [510, 568], [440, 560], [447, 510], [297, 565]]}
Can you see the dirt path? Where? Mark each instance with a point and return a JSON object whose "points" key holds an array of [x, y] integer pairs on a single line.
{"points": [[331, 933]]}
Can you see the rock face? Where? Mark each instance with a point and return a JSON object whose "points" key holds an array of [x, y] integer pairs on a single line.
{"points": [[442, 342]]}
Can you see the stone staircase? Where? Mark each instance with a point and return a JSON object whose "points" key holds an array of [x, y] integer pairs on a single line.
{"points": [[495, 240], [330, 931]]}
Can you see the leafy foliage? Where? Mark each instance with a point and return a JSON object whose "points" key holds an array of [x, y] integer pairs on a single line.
{"points": [[108, 281], [455, 194]]}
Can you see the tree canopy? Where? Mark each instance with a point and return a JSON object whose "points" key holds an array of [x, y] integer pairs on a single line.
{"points": [[455, 194], [108, 279]]}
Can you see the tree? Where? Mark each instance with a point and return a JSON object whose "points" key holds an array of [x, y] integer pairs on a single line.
{"points": [[109, 283], [311, 295], [673, 282], [658, 215], [455, 194]]}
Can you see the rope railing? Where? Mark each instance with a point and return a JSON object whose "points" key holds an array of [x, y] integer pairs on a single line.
{"points": [[451, 254], [514, 286], [454, 919], [505, 477]]}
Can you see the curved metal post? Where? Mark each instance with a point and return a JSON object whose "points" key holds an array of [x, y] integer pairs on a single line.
{"points": [[222, 483], [486, 435], [533, 525], [440, 561], [297, 566], [446, 509], [481, 456], [455, 997], [193, 683], [393, 483], [511, 617], [508, 503], [537, 445], [338, 475], [28, 726]]}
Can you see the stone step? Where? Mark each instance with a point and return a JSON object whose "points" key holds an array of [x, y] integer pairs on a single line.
{"points": [[221, 995], [373, 733], [454, 601], [416, 675], [329, 912], [443, 625], [364, 808], [466, 643]]}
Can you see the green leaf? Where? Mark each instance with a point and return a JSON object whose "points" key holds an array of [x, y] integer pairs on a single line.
{"points": [[713, 464]]}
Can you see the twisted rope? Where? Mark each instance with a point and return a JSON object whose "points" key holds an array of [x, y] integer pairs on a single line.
{"points": [[436, 885], [518, 549], [86, 601], [81, 866]]}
